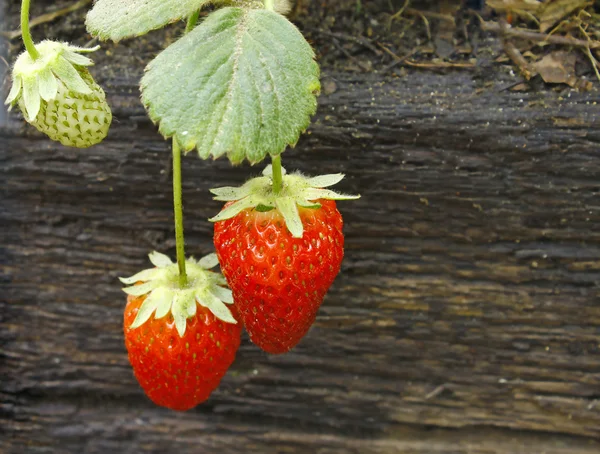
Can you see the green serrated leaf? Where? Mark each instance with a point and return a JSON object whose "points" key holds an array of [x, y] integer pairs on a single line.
{"points": [[242, 84], [118, 19]]}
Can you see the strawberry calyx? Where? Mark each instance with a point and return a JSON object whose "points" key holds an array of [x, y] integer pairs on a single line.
{"points": [[39, 80], [297, 191], [166, 296]]}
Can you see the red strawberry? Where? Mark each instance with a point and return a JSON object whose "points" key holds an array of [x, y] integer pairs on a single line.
{"points": [[180, 355], [279, 263], [279, 281]]}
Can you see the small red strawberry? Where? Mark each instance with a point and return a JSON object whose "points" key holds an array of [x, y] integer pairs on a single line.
{"points": [[280, 253], [180, 355]]}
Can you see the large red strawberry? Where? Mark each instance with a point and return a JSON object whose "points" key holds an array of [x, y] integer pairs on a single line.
{"points": [[280, 253], [180, 355]]}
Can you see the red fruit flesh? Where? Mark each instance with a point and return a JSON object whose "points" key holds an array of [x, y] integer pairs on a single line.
{"points": [[179, 372], [279, 281]]}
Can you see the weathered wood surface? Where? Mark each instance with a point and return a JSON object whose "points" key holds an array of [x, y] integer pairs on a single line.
{"points": [[466, 318]]}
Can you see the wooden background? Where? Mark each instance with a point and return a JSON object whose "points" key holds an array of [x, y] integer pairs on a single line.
{"points": [[466, 318]]}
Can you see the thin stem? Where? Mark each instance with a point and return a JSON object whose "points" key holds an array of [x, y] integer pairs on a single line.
{"points": [[277, 175], [178, 208], [26, 34], [192, 21], [270, 4]]}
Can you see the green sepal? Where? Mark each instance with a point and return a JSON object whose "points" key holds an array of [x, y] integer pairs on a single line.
{"points": [[297, 191], [165, 296], [37, 80], [263, 208], [48, 85]]}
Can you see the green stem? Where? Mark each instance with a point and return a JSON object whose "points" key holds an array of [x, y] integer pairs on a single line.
{"points": [[192, 21], [270, 4], [25, 33], [277, 175], [177, 199], [178, 208]]}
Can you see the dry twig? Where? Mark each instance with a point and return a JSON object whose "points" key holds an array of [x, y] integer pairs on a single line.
{"points": [[515, 54], [539, 37], [356, 39], [434, 65]]}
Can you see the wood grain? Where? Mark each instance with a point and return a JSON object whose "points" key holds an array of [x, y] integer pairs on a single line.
{"points": [[466, 317]]}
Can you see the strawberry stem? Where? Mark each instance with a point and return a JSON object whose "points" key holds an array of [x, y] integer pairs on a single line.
{"points": [[191, 22], [277, 176], [177, 202], [178, 209], [25, 33]]}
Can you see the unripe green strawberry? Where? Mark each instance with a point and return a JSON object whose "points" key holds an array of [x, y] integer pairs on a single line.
{"points": [[58, 95]]}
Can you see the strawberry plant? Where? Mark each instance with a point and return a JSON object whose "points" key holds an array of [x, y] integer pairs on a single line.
{"points": [[241, 83]]}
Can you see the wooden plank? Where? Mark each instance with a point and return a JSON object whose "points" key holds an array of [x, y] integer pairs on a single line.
{"points": [[465, 319]]}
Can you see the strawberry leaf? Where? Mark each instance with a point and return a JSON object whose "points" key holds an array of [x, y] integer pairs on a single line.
{"points": [[242, 84], [118, 19]]}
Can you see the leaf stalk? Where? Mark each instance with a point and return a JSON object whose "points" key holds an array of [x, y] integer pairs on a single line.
{"points": [[192, 21], [277, 174], [178, 210]]}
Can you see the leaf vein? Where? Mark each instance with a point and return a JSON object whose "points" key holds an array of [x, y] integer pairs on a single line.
{"points": [[242, 29]]}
